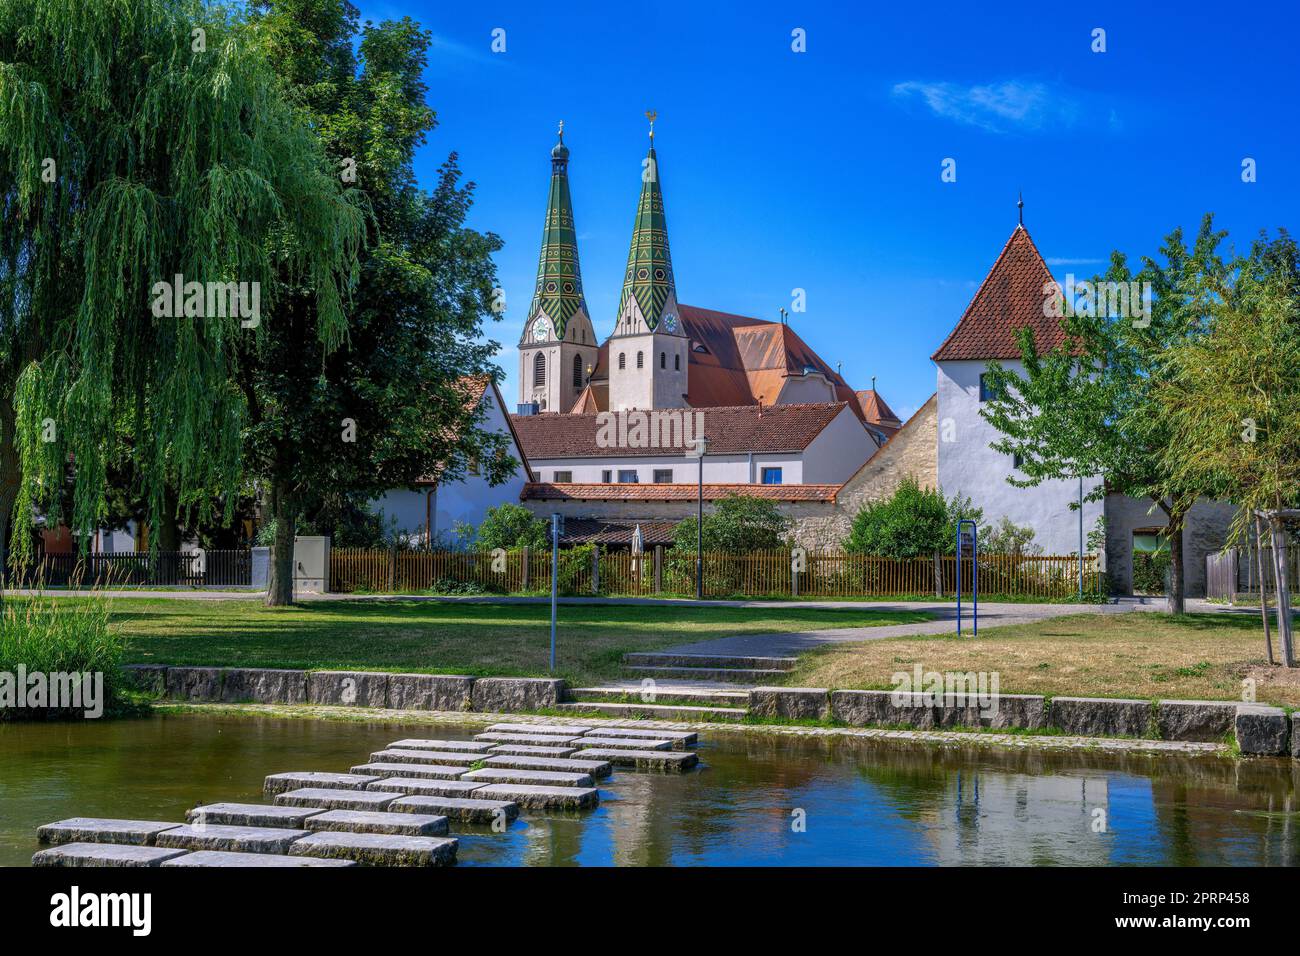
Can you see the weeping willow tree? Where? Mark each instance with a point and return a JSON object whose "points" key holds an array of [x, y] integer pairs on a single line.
{"points": [[147, 157]]}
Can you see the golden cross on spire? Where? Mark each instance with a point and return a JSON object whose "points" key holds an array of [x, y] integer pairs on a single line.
{"points": [[561, 129], [651, 115]]}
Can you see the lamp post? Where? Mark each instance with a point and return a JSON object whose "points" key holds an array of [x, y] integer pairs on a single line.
{"points": [[700, 447]]}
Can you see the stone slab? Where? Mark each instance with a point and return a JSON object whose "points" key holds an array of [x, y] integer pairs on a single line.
{"points": [[506, 695], [147, 678], [1204, 720], [378, 849], [1262, 730], [416, 743], [462, 809], [430, 770], [541, 778], [1295, 734], [530, 740], [103, 830], [379, 821], [434, 757], [1027, 711], [430, 692], [252, 815], [525, 750], [233, 839], [676, 760], [791, 703], [681, 739], [347, 688], [418, 770], [335, 799], [194, 683], [867, 708], [541, 798], [546, 730], [224, 859], [264, 685], [296, 780], [622, 743], [432, 788], [104, 854], [593, 768], [1101, 716]]}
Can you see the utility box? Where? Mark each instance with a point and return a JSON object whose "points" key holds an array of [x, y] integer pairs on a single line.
{"points": [[311, 564]]}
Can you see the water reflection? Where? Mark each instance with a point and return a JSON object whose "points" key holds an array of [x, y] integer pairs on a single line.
{"points": [[861, 802]]}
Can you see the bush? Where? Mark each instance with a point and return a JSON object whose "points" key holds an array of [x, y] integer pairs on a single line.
{"points": [[513, 526], [1149, 571], [736, 523], [49, 636], [1006, 537], [912, 522]]}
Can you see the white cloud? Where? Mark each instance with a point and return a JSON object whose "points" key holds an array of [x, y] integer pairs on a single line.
{"points": [[1064, 261], [998, 107]]}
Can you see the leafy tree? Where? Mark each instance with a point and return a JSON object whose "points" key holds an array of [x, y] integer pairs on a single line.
{"points": [[736, 523], [1232, 396], [910, 523], [389, 405], [512, 526], [1007, 537], [141, 140], [1091, 406]]}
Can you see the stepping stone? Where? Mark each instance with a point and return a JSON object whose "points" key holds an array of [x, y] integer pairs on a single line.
{"points": [[334, 799], [425, 771], [102, 830], [462, 809], [282, 782], [251, 815], [542, 778], [542, 798], [408, 784], [221, 858], [230, 839], [372, 821], [531, 740], [412, 743], [523, 750], [679, 760], [622, 743], [595, 768], [104, 854], [433, 770], [681, 739], [426, 757], [546, 730], [378, 849]]}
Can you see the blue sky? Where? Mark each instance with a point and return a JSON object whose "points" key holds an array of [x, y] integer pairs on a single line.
{"points": [[821, 170]]}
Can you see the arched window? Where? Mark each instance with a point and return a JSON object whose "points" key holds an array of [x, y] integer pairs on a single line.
{"points": [[622, 360], [640, 360], [677, 363], [577, 371], [663, 359], [539, 370]]}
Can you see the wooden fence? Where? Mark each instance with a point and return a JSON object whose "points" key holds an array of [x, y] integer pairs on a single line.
{"points": [[672, 572], [1236, 572]]}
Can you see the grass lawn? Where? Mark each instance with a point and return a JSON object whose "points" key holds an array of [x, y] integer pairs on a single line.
{"points": [[427, 636], [1138, 654]]}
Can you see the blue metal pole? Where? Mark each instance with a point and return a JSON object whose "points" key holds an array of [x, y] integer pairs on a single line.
{"points": [[555, 575], [959, 579], [975, 578]]}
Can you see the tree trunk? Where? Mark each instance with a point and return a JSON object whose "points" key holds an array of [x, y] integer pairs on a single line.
{"points": [[1263, 585], [279, 587], [1283, 589], [1176, 603], [10, 475], [168, 534]]}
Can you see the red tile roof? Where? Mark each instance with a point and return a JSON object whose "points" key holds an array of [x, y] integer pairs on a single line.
{"points": [[876, 411], [576, 491], [734, 430], [1010, 297], [616, 531]]}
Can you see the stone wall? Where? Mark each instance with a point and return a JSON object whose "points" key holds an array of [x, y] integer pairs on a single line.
{"points": [[1205, 531]]}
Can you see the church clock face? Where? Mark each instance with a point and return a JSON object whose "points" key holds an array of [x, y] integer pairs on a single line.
{"points": [[670, 322], [540, 329]]}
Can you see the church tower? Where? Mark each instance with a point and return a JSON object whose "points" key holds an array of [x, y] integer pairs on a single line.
{"points": [[558, 347], [648, 352]]}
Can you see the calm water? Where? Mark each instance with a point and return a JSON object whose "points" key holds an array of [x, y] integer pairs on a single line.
{"points": [[862, 803]]}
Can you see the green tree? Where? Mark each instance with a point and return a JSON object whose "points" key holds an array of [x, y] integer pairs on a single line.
{"points": [[1090, 407], [1232, 396], [512, 526], [912, 522], [389, 406], [736, 523], [141, 140]]}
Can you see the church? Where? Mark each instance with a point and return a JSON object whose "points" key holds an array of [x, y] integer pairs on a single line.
{"points": [[771, 410]]}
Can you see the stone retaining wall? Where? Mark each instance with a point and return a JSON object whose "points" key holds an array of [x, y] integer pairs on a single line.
{"points": [[1260, 730], [446, 692]]}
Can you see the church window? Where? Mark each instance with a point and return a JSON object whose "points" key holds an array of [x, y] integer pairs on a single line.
{"points": [[677, 363], [640, 360], [663, 359], [622, 361], [539, 369], [577, 371]]}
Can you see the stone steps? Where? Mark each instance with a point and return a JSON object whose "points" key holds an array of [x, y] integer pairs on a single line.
{"points": [[379, 821], [462, 809], [528, 740], [232, 839], [221, 858], [593, 768], [415, 770], [714, 661], [541, 778], [251, 815], [683, 693], [624, 743], [412, 743], [542, 798], [736, 674], [284, 782], [545, 730], [657, 711], [447, 758], [377, 849], [104, 855], [524, 750], [432, 788], [335, 799], [680, 739], [103, 830], [677, 761]]}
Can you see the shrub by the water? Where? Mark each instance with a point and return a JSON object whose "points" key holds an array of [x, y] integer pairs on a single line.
{"points": [[56, 636]]}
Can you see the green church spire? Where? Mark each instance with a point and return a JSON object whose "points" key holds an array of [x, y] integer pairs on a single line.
{"points": [[559, 280], [649, 277]]}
